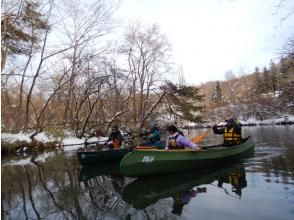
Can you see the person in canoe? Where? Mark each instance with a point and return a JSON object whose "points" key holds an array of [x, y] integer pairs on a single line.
{"points": [[115, 139], [232, 132], [152, 138], [177, 141]]}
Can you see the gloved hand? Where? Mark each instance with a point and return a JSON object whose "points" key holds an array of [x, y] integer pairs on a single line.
{"points": [[196, 147]]}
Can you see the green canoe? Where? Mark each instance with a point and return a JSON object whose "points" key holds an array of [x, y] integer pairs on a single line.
{"points": [[144, 162], [88, 156]]}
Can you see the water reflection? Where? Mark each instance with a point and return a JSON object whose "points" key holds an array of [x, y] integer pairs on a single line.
{"points": [[55, 186], [91, 171], [182, 187], [109, 170], [52, 190]]}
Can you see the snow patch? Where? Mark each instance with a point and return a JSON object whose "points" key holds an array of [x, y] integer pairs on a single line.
{"points": [[41, 137], [11, 138], [44, 137], [272, 121], [74, 143]]}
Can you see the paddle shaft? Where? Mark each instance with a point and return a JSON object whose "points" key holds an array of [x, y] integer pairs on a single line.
{"points": [[200, 137], [84, 143]]}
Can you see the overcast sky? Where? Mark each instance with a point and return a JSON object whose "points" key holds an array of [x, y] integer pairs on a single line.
{"points": [[210, 37]]}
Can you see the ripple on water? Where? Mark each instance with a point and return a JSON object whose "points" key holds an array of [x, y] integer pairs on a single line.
{"points": [[264, 151], [263, 155]]}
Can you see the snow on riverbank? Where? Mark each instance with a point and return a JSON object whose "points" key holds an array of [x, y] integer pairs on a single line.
{"points": [[11, 138], [287, 119], [272, 121], [41, 137], [68, 143], [74, 143], [71, 143]]}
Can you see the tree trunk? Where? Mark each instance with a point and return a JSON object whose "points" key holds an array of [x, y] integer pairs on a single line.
{"points": [[71, 84]]}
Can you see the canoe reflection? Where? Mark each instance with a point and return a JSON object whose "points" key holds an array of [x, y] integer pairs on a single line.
{"points": [[90, 171], [182, 187], [111, 169]]}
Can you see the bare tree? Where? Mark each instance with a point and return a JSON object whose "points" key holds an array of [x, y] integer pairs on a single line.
{"points": [[83, 25], [147, 51]]}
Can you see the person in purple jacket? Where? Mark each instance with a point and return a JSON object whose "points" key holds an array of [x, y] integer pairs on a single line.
{"points": [[177, 141]]}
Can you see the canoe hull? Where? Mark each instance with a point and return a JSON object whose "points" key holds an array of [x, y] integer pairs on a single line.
{"points": [[152, 162], [95, 157]]}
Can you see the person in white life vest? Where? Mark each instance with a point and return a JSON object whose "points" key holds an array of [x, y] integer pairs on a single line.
{"points": [[177, 141]]}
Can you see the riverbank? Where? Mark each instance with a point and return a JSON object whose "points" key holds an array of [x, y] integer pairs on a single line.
{"points": [[21, 142], [284, 120]]}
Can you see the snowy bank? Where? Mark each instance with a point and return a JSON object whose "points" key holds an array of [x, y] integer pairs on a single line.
{"points": [[21, 142], [284, 120], [74, 143], [42, 137], [288, 119], [71, 143], [11, 138]]}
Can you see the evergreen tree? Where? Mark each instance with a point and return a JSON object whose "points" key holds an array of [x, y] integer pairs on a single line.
{"points": [[286, 72], [217, 95], [184, 102], [274, 76], [21, 29], [266, 81], [258, 86]]}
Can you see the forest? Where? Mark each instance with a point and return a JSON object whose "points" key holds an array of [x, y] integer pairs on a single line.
{"points": [[263, 94], [65, 66]]}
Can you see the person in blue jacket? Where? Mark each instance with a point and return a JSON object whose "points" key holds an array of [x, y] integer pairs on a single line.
{"points": [[153, 138]]}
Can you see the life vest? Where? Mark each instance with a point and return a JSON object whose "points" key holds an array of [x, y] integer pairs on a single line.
{"points": [[172, 143], [230, 137]]}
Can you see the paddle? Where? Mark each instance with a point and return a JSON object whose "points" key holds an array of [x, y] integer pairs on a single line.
{"points": [[84, 143], [200, 137]]}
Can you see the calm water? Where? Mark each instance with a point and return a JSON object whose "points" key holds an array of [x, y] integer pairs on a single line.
{"points": [[54, 186]]}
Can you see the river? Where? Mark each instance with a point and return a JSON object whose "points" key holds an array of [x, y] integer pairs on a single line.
{"points": [[53, 185]]}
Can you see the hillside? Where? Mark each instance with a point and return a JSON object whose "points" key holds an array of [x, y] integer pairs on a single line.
{"points": [[262, 94]]}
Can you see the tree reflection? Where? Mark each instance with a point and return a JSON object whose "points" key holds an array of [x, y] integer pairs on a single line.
{"points": [[59, 189], [52, 190], [104, 190], [30, 192]]}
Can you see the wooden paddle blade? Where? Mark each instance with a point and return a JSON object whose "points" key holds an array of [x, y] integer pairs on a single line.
{"points": [[200, 137]]}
